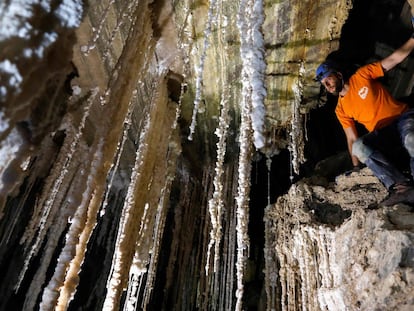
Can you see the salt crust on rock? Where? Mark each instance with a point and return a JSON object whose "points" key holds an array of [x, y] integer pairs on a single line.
{"points": [[362, 261]]}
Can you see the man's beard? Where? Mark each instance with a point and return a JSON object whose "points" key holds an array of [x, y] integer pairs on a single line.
{"points": [[338, 87]]}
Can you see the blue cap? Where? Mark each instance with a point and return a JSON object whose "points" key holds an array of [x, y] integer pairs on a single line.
{"points": [[325, 69]]}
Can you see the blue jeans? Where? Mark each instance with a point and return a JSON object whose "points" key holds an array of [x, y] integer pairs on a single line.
{"points": [[397, 139]]}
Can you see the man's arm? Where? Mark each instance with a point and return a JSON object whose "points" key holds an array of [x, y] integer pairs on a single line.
{"points": [[398, 55], [351, 136]]}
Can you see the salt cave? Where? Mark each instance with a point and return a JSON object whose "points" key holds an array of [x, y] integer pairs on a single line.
{"points": [[178, 155]]}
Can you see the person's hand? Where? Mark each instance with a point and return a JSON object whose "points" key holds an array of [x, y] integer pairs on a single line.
{"points": [[355, 169]]}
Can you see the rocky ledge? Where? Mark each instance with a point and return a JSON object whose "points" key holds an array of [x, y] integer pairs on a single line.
{"points": [[333, 246]]}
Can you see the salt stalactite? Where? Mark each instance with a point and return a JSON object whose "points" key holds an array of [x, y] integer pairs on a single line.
{"points": [[180, 99], [60, 289], [271, 271], [185, 40], [148, 238], [151, 235], [249, 21], [131, 301], [230, 263], [138, 267], [126, 235], [49, 212], [114, 281], [42, 219], [199, 70], [71, 281], [120, 149], [242, 198], [158, 234], [296, 133], [185, 180], [215, 204], [269, 169]]}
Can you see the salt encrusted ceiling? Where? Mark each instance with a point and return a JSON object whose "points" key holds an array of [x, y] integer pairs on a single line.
{"points": [[128, 130]]}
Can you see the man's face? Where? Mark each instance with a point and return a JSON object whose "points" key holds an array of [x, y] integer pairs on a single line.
{"points": [[333, 83]]}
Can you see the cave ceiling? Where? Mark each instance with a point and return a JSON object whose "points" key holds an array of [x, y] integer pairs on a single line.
{"points": [[130, 131]]}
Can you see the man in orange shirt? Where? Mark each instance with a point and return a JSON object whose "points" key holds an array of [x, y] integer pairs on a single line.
{"points": [[363, 99]]}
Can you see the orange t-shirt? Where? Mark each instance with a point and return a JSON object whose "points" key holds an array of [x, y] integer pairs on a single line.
{"points": [[367, 101]]}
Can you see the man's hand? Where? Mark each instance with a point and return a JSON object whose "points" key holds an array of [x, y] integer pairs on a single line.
{"points": [[355, 169]]}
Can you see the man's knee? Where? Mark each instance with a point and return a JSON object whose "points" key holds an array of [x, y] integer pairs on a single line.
{"points": [[362, 151], [409, 143]]}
